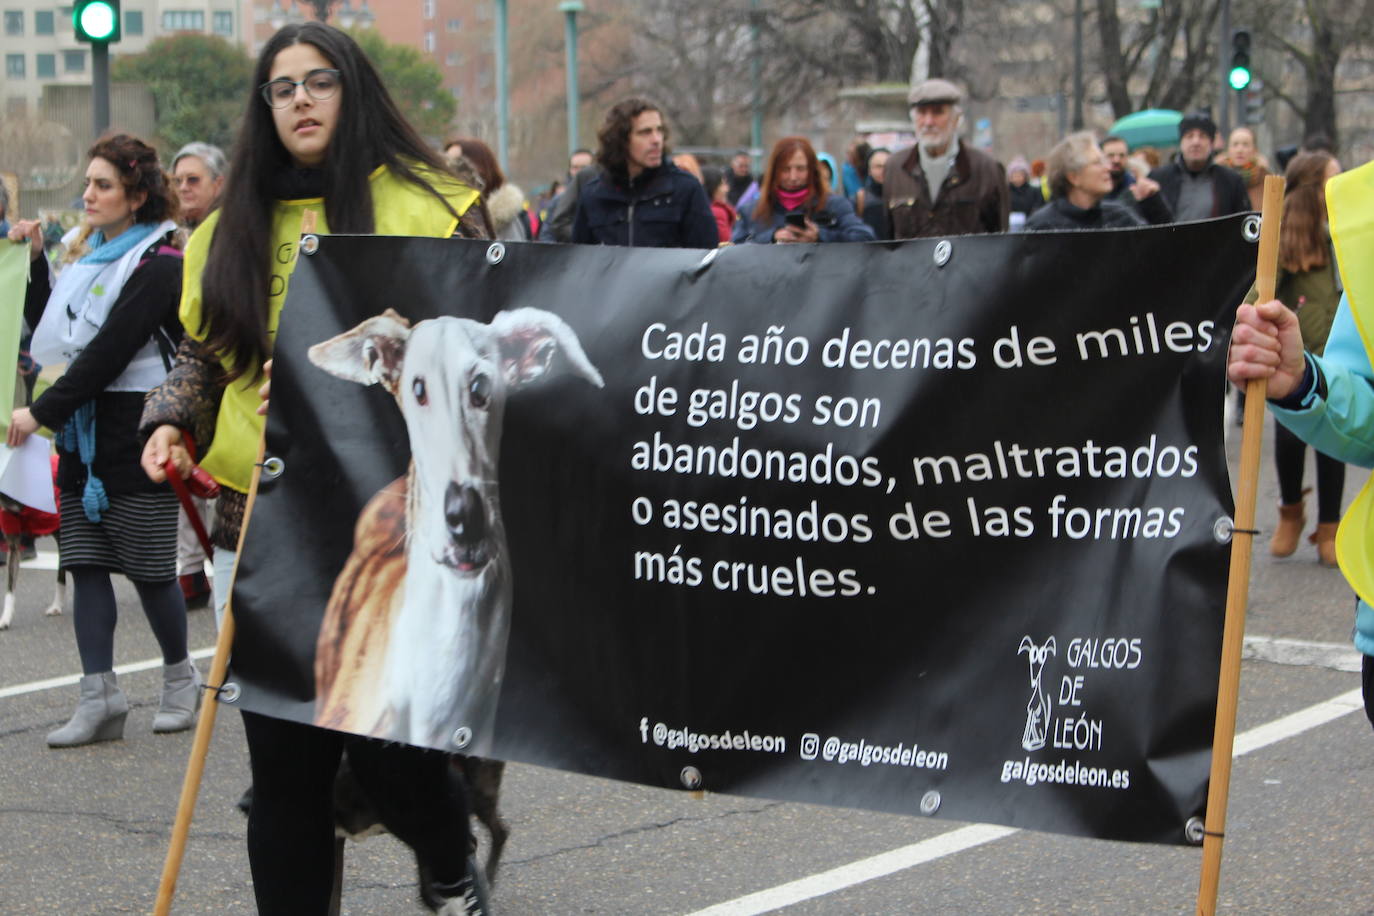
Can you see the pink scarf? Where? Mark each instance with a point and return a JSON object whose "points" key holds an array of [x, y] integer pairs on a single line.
{"points": [[791, 200]]}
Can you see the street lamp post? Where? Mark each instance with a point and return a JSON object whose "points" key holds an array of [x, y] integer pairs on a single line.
{"points": [[570, 9], [502, 88], [756, 96]]}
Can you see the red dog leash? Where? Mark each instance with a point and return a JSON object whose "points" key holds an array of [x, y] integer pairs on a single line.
{"points": [[200, 484]]}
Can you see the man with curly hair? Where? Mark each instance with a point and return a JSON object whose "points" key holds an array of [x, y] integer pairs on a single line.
{"points": [[639, 198]]}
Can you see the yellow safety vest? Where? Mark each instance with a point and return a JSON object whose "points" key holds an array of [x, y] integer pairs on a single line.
{"points": [[1350, 210], [401, 207]]}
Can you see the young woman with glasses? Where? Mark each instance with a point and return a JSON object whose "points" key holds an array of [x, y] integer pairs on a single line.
{"points": [[321, 133]]}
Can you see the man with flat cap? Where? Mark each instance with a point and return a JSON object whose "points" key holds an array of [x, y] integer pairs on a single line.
{"points": [[940, 186], [1192, 184]]}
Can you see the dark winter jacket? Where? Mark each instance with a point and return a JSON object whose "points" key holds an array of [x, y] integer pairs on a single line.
{"points": [[1025, 198], [873, 212], [974, 197], [1228, 188], [1060, 214], [659, 208], [1153, 209], [836, 220]]}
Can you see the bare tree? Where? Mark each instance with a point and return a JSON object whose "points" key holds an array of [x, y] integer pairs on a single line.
{"points": [[1164, 60], [1326, 31]]}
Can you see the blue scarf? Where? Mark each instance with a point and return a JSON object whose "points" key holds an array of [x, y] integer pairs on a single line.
{"points": [[103, 252], [78, 433]]}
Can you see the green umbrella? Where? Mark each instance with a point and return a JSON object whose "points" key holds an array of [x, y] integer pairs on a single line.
{"points": [[1151, 127]]}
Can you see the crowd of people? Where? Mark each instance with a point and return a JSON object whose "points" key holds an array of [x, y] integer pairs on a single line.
{"points": [[176, 278]]}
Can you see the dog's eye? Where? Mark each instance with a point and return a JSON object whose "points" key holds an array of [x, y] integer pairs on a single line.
{"points": [[480, 390], [418, 387]]}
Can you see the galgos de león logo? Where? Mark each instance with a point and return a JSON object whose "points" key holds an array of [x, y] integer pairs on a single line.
{"points": [[1038, 707]]}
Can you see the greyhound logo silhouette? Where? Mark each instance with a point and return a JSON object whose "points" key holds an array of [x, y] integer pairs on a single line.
{"points": [[1038, 707]]}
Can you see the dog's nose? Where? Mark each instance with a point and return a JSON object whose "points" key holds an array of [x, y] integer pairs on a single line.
{"points": [[465, 515]]}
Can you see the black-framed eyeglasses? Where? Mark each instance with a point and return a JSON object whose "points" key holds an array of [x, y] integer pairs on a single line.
{"points": [[319, 85]]}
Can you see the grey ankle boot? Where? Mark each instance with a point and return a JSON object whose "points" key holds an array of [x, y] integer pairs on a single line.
{"points": [[180, 697], [99, 716]]}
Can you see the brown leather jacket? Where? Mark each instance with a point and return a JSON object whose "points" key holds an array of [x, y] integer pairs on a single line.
{"points": [[975, 197]]}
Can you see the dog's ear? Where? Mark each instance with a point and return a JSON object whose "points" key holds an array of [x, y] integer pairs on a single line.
{"points": [[370, 354], [531, 339]]}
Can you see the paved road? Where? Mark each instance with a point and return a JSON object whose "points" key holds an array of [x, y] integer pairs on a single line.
{"points": [[84, 831]]}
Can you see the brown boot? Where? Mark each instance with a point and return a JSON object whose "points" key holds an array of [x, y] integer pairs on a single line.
{"points": [[1286, 535], [1325, 539]]}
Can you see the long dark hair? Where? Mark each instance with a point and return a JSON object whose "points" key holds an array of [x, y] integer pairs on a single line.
{"points": [[370, 131], [614, 135], [139, 171], [783, 151], [483, 161], [1303, 241]]}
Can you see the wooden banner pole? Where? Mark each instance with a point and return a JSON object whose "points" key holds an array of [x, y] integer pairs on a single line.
{"points": [[200, 747], [1238, 585]]}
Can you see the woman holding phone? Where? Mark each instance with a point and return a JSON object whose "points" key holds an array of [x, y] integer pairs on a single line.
{"points": [[794, 204]]}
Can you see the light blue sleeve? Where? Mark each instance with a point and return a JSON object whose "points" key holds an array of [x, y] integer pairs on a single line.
{"points": [[1341, 424]]}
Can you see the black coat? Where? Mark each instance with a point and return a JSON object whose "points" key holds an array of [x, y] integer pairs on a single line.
{"points": [[1229, 194], [1025, 199], [659, 208], [1060, 214]]}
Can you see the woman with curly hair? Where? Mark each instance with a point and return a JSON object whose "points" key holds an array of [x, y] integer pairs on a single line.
{"points": [[111, 316]]}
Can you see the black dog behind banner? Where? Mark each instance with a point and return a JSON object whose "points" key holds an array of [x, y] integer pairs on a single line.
{"points": [[926, 527]]}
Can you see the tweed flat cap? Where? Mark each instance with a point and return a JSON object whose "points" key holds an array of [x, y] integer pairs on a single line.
{"points": [[935, 91]]}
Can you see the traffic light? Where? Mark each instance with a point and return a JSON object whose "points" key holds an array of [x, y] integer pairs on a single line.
{"points": [[1239, 76], [96, 21]]}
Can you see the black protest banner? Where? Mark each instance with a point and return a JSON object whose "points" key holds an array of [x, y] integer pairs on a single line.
{"points": [[920, 527]]}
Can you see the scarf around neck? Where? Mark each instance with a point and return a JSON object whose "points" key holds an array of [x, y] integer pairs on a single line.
{"points": [[791, 200]]}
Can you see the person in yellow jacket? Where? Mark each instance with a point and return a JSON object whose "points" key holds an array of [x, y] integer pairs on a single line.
{"points": [[320, 134], [1328, 400]]}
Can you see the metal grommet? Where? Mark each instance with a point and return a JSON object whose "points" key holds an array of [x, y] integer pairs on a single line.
{"points": [[273, 467], [496, 253], [706, 261], [462, 737], [310, 243], [943, 250], [691, 778], [930, 802], [1193, 831], [1250, 228], [1222, 529], [229, 692]]}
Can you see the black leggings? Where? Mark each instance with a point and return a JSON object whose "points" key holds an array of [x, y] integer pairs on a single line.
{"points": [[1290, 454], [291, 822], [94, 615]]}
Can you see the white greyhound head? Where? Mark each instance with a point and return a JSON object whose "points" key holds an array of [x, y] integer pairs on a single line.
{"points": [[451, 377]]}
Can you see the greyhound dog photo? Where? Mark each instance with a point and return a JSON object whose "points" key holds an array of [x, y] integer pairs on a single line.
{"points": [[413, 643]]}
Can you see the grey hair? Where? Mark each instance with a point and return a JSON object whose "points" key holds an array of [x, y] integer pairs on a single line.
{"points": [[212, 156], [1069, 156]]}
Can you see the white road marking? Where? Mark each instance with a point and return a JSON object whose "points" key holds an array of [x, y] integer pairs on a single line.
{"points": [[68, 680], [1337, 656], [965, 838]]}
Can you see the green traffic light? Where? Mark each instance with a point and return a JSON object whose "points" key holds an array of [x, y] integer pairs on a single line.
{"points": [[1239, 78], [96, 21]]}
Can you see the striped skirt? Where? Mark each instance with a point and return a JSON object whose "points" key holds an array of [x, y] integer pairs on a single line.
{"points": [[136, 536]]}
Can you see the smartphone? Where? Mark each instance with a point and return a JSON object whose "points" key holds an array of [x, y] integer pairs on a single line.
{"points": [[797, 220]]}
